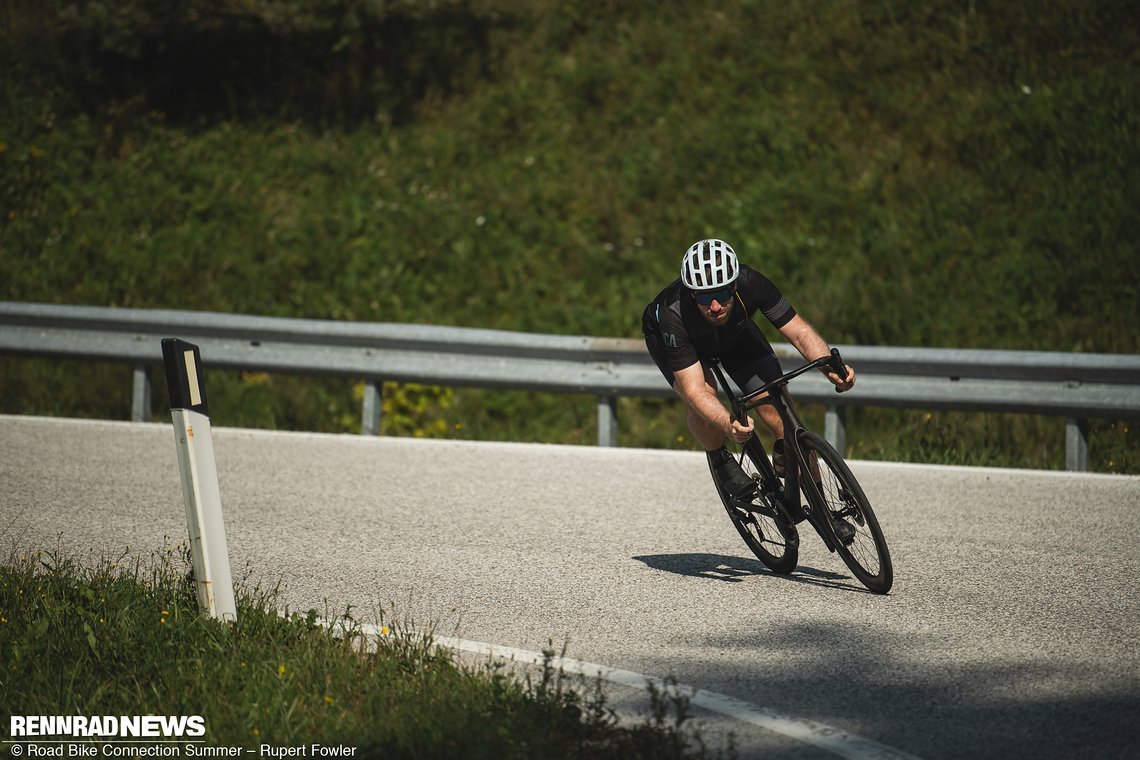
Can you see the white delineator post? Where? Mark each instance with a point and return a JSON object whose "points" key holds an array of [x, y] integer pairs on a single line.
{"points": [[194, 440]]}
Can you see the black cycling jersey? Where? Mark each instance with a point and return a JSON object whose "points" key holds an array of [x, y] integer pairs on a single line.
{"points": [[686, 337]]}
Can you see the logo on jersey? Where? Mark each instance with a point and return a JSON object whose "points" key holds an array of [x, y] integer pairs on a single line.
{"points": [[670, 339]]}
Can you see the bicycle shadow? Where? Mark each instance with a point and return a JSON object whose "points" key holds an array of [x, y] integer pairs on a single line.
{"points": [[735, 569]]}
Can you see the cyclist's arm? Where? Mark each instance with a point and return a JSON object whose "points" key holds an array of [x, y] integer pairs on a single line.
{"points": [[692, 386], [809, 343]]}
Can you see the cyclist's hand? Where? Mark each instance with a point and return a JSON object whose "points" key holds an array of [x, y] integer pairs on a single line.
{"points": [[740, 431], [840, 384]]}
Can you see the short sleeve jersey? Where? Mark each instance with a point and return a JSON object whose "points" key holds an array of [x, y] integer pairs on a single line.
{"points": [[688, 337]]}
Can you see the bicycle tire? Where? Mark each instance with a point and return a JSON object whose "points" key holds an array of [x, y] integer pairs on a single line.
{"points": [[867, 554], [774, 541]]}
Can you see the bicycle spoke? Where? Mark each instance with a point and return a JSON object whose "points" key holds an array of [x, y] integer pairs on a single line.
{"points": [[860, 540], [862, 545], [771, 539], [761, 521]]}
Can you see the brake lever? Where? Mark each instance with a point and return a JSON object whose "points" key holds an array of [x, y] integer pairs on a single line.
{"points": [[835, 363]]}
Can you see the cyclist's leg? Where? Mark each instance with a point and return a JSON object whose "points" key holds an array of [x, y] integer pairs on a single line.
{"points": [[708, 435], [751, 363], [760, 520], [725, 467]]}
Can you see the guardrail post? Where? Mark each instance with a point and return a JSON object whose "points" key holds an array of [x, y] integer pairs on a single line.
{"points": [[1077, 444], [835, 428], [607, 421], [373, 400], [140, 396]]}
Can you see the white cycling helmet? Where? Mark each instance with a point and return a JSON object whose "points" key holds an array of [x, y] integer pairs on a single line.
{"points": [[709, 265]]}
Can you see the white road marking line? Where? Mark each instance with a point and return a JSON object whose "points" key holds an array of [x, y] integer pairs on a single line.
{"points": [[829, 738]]}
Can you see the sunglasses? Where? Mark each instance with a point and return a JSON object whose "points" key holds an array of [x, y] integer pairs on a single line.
{"points": [[704, 298]]}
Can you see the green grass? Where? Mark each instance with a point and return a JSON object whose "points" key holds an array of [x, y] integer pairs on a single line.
{"points": [[933, 174], [124, 637]]}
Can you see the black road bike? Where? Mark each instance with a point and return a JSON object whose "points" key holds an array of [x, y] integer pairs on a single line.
{"points": [[767, 520]]}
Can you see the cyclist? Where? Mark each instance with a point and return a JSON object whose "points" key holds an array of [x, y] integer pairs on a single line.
{"points": [[707, 313]]}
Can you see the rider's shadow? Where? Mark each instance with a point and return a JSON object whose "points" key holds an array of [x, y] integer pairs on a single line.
{"points": [[722, 568], [714, 566]]}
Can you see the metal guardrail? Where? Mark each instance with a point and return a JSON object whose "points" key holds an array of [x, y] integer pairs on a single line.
{"points": [[1074, 386]]}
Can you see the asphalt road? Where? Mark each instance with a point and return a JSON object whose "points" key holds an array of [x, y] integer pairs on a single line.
{"points": [[1012, 631]]}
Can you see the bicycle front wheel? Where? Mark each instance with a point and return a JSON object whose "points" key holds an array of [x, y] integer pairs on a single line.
{"points": [[771, 537], [837, 493]]}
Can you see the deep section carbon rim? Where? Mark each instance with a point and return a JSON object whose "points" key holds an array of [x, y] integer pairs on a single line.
{"points": [[866, 555]]}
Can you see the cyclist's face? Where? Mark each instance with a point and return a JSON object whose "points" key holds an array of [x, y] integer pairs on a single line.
{"points": [[717, 312]]}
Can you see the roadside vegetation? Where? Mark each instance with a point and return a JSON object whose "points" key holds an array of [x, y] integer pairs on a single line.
{"points": [[929, 173], [124, 637]]}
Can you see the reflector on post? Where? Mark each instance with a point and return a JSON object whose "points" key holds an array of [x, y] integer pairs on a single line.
{"points": [[193, 439]]}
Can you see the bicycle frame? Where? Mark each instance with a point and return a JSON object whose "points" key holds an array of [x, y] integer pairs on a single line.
{"points": [[775, 394]]}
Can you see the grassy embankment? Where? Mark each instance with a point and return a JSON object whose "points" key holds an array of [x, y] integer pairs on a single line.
{"points": [[930, 174], [124, 637]]}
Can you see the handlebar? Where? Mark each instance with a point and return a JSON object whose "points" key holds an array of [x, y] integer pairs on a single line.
{"points": [[834, 362]]}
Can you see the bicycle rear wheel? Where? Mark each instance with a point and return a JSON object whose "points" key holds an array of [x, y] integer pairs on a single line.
{"points": [[839, 493], [771, 537]]}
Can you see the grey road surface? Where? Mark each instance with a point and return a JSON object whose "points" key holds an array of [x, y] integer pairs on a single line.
{"points": [[1012, 630]]}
